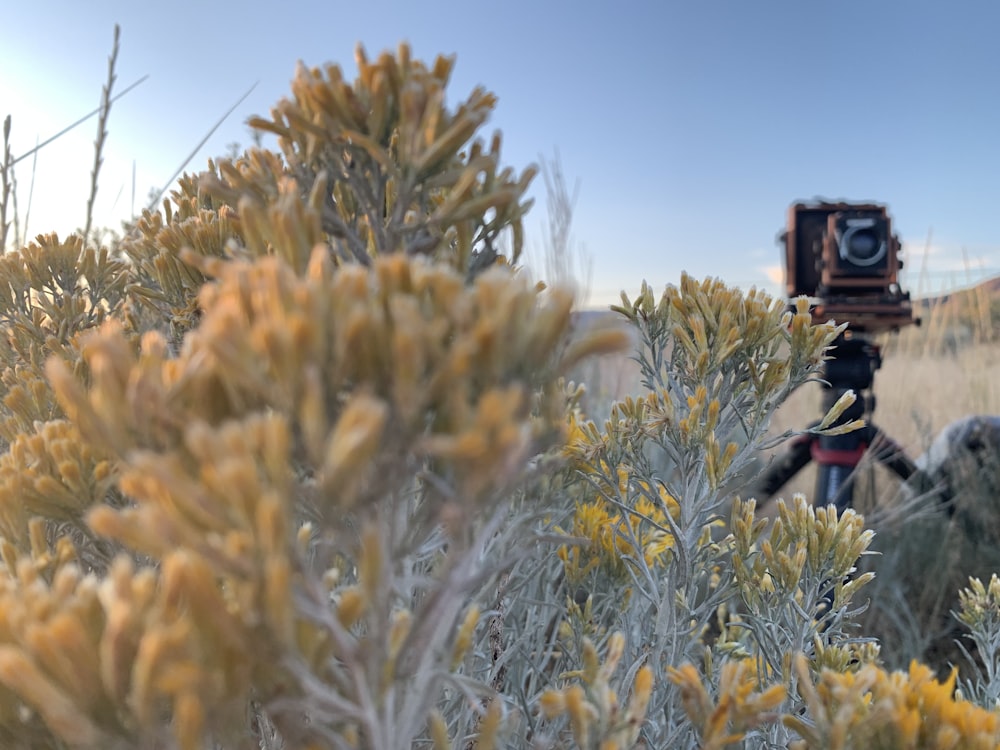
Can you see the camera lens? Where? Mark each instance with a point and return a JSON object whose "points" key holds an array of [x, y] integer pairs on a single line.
{"points": [[862, 244]]}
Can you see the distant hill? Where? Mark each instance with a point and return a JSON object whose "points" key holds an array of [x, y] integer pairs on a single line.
{"points": [[990, 286]]}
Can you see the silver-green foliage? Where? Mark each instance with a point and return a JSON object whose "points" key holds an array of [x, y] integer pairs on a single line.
{"points": [[657, 559]]}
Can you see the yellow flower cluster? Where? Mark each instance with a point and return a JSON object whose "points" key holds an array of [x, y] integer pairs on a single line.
{"points": [[979, 604], [717, 327], [634, 526], [51, 473], [369, 167], [866, 708], [803, 540], [741, 705], [392, 127], [101, 661], [873, 708], [191, 221], [596, 716], [50, 291]]}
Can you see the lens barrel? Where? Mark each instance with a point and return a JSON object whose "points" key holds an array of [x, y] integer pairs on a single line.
{"points": [[862, 241]]}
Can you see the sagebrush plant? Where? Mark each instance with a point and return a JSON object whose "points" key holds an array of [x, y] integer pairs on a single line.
{"points": [[296, 465], [658, 567], [979, 611]]}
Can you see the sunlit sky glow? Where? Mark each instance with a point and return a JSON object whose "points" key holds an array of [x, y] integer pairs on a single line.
{"points": [[690, 126]]}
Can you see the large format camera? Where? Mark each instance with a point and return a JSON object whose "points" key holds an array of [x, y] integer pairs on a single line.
{"points": [[846, 257]]}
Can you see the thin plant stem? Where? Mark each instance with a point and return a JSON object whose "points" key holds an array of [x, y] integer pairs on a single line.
{"points": [[31, 194], [79, 122], [102, 132], [18, 233], [201, 143], [5, 172]]}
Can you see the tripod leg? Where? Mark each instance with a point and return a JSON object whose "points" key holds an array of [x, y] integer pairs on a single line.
{"points": [[835, 486], [837, 456]]}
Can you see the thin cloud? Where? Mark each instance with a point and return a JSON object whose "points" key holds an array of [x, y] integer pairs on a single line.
{"points": [[775, 274]]}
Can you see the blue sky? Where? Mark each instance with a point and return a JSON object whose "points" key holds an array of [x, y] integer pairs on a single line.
{"points": [[690, 126]]}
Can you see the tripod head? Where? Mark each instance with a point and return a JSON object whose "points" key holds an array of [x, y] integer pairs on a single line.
{"points": [[852, 366]]}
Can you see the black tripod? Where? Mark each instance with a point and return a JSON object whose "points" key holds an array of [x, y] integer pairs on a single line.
{"points": [[853, 366]]}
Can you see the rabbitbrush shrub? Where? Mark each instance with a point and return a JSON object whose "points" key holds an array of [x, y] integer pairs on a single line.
{"points": [[294, 465]]}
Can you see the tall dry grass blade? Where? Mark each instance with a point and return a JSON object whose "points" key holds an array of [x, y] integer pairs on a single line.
{"points": [[79, 122], [980, 315], [118, 196], [985, 310], [939, 319], [18, 235], [967, 296], [202, 142], [564, 263], [102, 132], [922, 278], [5, 172], [31, 195], [909, 344]]}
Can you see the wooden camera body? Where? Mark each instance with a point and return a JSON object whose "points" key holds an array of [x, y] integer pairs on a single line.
{"points": [[846, 257]]}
